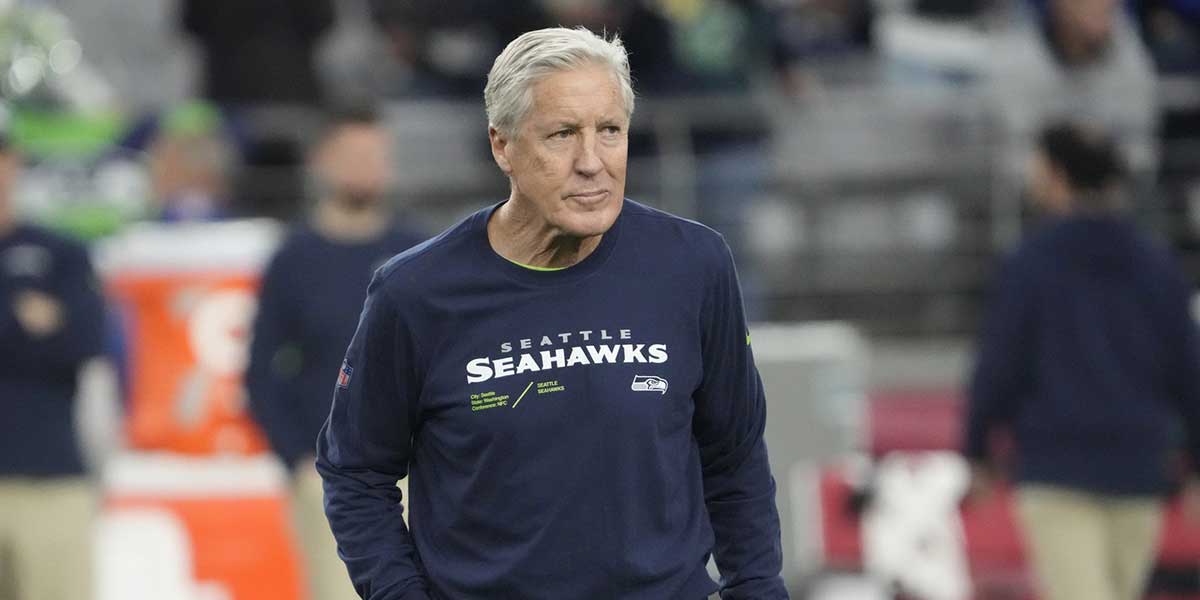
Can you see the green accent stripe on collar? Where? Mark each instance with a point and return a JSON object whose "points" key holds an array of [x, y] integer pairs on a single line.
{"points": [[533, 268]]}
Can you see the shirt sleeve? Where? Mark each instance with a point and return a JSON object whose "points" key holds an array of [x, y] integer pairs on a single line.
{"points": [[1184, 373], [273, 335], [1003, 370], [364, 449], [9, 327], [75, 287], [729, 421]]}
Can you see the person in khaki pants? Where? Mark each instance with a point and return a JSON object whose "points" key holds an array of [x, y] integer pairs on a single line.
{"points": [[51, 323], [45, 538], [311, 296], [1091, 358], [1089, 545]]}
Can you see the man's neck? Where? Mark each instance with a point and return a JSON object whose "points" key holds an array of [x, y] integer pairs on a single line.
{"points": [[522, 236], [340, 223], [1097, 203]]}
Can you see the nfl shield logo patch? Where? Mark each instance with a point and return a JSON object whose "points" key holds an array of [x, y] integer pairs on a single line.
{"points": [[343, 380]]}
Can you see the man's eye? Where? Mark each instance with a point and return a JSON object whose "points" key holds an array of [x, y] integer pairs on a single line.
{"points": [[562, 134], [611, 130]]}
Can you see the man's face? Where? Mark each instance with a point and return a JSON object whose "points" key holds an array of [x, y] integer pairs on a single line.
{"points": [[567, 160], [355, 162], [185, 164], [1091, 21]]}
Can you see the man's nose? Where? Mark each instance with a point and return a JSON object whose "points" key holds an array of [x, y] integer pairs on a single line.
{"points": [[588, 162]]}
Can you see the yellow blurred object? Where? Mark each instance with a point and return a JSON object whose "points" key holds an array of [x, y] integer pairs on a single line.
{"points": [[684, 10]]}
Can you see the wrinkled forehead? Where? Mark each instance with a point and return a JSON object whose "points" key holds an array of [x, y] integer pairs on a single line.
{"points": [[587, 91]]}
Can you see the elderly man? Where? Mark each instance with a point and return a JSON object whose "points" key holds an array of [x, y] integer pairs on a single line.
{"points": [[1076, 59], [565, 377]]}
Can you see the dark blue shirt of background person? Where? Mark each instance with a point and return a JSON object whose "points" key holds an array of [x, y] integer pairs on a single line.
{"points": [[311, 296], [51, 322], [1090, 355], [313, 289]]}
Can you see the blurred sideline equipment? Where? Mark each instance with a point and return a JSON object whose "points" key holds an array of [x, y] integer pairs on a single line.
{"points": [[814, 376], [187, 297], [197, 468], [205, 528], [912, 533], [851, 499], [143, 555]]}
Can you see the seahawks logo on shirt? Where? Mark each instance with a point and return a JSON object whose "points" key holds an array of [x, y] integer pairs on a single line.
{"points": [[648, 383]]}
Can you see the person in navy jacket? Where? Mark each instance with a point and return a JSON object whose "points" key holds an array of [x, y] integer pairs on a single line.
{"points": [[565, 378], [1090, 357], [51, 324], [308, 308]]}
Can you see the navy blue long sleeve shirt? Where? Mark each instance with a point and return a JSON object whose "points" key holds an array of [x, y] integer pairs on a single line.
{"points": [[593, 432], [311, 295], [38, 374], [1091, 356]]}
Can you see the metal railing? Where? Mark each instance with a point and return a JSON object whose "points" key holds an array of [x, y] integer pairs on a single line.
{"points": [[882, 204]]}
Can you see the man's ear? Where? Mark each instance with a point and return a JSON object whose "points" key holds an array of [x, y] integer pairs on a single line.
{"points": [[499, 145]]}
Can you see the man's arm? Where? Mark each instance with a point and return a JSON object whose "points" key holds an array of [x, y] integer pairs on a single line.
{"points": [[1184, 371], [273, 354], [52, 332], [728, 424], [364, 449], [1003, 370]]}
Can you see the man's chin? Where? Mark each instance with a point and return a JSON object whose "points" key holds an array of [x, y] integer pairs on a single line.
{"points": [[358, 201], [588, 223]]}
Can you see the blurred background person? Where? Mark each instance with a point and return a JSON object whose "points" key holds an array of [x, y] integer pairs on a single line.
{"points": [[259, 51], [1075, 59], [260, 67], [446, 47], [1172, 32], [51, 323], [817, 40], [190, 163], [312, 293], [1091, 357], [705, 53]]}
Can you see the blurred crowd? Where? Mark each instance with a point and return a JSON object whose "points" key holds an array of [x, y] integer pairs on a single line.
{"points": [[1042, 58], [677, 46], [734, 77]]}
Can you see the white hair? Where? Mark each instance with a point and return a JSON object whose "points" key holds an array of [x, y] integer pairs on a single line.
{"points": [[536, 54]]}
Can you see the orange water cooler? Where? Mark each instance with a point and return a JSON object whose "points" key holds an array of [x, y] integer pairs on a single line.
{"points": [[198, 502]]}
